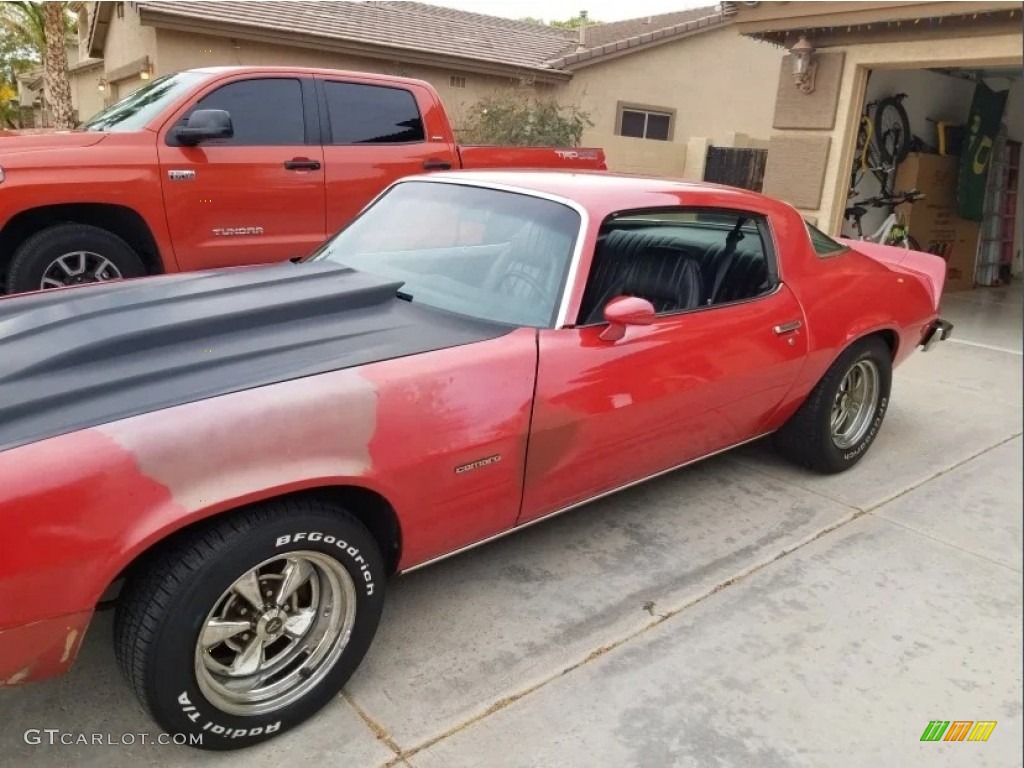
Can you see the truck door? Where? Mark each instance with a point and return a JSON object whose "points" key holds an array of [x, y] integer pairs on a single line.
{"points": [[256, 197], [374, 133]]}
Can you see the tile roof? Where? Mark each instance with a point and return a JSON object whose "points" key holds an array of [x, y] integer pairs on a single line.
{"points": [[402, 25], [431, 29], [637, 33], [602, 34]]}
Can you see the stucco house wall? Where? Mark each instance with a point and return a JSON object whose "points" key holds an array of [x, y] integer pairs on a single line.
{"points": [[717, 83]]}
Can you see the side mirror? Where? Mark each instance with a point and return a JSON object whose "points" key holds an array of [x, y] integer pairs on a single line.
{"points": [[623, 311], [204, 125]]}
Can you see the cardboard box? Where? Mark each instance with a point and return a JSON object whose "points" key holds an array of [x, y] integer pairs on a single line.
{"points": [[933, 221], [958, 246], [934, 175]]}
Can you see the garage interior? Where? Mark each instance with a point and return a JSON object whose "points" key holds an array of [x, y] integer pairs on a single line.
{"points": [[981, 255]]}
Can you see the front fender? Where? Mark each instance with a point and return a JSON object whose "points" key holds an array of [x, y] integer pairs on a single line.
{"points": [[119, 170], [79, 507]]}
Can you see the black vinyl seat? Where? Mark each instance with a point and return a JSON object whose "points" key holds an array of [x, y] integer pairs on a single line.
{"points": [[653, 266], [745, 277], [672, 274]]}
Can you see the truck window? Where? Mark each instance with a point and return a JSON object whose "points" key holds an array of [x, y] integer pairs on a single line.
{"points": [[264, 112], [135, 110], [371, 114]]}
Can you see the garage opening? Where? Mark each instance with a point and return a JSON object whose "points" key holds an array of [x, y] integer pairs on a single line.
{"points": [[937, 167]]}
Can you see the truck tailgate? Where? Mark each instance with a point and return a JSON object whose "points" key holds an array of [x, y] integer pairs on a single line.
{"points": [[585, 158]]}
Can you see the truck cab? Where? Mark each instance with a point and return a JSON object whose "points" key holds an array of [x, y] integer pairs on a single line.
{"points": [[220, 167]]}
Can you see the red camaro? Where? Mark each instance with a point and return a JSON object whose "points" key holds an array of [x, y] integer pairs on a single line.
{"points": [[243, 457]]}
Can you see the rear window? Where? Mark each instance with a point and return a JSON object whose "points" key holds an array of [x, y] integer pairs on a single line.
{"points": [[823, 244], [371, 114]]}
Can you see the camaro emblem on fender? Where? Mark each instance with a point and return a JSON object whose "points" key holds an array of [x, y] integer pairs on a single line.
{"points": [[181, 175], [238, 231], [478, 463]]}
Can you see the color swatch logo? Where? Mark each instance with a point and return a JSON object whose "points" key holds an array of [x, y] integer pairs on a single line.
{"points": [[958, 730]]}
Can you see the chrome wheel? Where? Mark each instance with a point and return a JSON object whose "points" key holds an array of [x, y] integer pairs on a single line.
{"points": [[855, 404], [275, 633], [77, 268]]}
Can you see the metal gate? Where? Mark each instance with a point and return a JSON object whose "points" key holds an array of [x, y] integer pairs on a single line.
{"points": [[735, 166]]}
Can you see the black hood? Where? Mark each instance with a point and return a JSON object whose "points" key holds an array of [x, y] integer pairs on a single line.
{"points": [[75, 358]]}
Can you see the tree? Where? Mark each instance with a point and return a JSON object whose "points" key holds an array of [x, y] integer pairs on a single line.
{"points": [[518, 117], [36, 31], [56, 82], [575, 22]]}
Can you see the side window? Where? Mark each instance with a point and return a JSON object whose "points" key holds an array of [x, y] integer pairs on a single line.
{"points": [[372, 114], [824, 245], [679, 260], [264, 112]]}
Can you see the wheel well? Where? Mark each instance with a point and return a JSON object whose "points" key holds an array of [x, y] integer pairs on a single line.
{"points": [[370, 508], [121, 221], [891, 339]]}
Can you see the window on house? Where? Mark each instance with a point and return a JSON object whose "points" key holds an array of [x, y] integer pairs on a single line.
{"points": [[643, 123], [371, 114], [457, 81]]}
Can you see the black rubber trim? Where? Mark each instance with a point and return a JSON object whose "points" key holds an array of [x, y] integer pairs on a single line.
{"points": [[79, 357], [311, 112]]}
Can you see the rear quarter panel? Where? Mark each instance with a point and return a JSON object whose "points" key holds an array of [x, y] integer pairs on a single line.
{"points": [[845, 297], [78, 508]]}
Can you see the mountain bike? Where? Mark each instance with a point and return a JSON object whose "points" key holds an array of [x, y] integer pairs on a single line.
{"points": [[894, 230], [883, 141]]}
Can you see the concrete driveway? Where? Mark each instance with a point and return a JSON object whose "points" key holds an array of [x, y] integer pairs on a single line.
{"points": [[736, 613]]}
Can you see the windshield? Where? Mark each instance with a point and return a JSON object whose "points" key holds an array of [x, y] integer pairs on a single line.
{"points": [[139, 107], [486, 253]]}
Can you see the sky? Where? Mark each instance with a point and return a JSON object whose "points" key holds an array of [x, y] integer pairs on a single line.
{"points": [[549, 10]]}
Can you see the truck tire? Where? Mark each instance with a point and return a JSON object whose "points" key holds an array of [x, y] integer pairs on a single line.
{"points": [[71, 254], [840, 419], [243, 628]]}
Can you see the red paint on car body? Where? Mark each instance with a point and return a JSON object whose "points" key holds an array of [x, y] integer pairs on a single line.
{"points": [[567, 414]]}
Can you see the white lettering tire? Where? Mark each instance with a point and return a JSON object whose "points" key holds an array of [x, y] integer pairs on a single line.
{"points": [[246, 625]]}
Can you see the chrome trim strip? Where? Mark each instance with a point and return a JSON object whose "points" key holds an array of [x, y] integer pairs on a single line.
{"points": [[578, 504], [577, 254]]}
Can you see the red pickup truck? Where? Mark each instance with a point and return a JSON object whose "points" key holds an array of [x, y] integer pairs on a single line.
{"points": [[223, 166]]}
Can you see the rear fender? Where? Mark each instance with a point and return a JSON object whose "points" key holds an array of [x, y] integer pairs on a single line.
{"points": [[926, 267]]}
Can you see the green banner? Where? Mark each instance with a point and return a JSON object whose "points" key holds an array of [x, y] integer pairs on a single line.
{"points": [[982, 128]]}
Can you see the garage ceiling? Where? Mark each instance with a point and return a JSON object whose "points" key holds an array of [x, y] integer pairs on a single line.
{"points": [[1006, 73]]}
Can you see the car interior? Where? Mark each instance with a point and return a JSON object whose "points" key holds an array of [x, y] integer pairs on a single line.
{"points": [[678, 262]]}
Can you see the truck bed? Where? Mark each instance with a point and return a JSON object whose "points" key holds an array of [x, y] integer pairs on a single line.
{"points": [[556, 158]]}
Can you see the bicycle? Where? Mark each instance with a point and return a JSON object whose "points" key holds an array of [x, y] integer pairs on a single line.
{"points": [[883, 141], [894, 230]]}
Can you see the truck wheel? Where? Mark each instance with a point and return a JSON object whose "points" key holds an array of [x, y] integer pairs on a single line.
{"points": [[71, 254], [245, 627], [836, 425]]}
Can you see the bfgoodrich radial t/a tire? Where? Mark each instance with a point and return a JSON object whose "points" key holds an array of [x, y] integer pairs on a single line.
{"points": [[840, 419], [244, 628]]}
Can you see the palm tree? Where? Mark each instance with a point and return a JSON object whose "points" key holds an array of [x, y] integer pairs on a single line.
{"points": [[43, 28]]}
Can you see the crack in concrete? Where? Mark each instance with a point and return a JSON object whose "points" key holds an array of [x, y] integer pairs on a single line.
{"points": [[941, 472], [379, 731], [502, 703]]}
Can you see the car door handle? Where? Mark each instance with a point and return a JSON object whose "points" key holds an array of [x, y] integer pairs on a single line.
{"points": [[436, 165], [788, 327], [302, 164]]}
